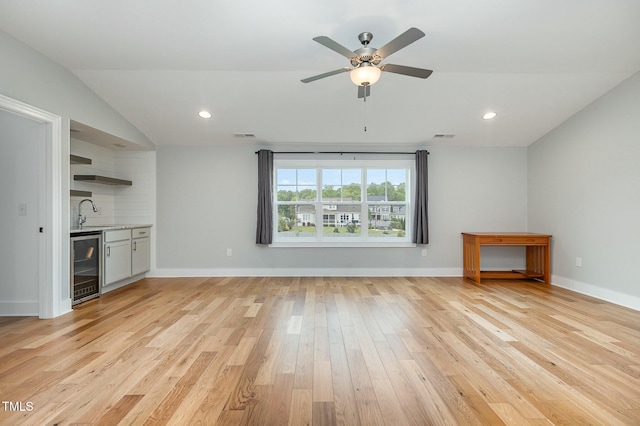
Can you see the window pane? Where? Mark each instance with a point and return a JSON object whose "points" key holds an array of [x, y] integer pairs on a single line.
{"points": [[387, 220], [352, 192], [296, 184], [286, 193], [331, 193], [341, 184], [307, 177], [386, 184], [296, 221], [396, 184], [376, 189], [306, 192], [286, 176], [331, 177], [342, 220]]}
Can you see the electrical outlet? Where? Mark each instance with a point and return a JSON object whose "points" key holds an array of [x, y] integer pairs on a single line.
{"points": [[229, 252], [424, 252], [579, 262]]}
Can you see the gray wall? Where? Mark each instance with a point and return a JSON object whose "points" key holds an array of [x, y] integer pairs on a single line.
{"points": [[584, 188], [34, 79], [206, 203]]}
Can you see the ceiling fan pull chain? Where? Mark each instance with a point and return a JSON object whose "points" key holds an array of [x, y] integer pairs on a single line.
{"points": [[365, 111]]}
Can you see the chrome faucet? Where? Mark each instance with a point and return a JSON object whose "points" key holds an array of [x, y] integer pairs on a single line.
{"points": [[83, 219]]}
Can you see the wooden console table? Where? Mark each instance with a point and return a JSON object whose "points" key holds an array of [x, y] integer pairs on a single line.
{"points": [[538, 254]]}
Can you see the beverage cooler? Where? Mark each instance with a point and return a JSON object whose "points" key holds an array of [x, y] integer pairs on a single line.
{"points": [[86, 266]]}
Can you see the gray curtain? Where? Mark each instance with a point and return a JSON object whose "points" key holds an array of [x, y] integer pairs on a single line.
{"points": [[264, 228], [421, 216]]}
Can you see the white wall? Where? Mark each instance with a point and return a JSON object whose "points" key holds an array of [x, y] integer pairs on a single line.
{"points": [[584, 188], [102, 163], [22, 148], [206, 203], [135, 204]]}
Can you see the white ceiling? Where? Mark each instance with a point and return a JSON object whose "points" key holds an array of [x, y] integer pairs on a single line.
{"points": [[158, 62]]}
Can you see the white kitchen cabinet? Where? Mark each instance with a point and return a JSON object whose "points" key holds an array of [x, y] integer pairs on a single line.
{"points": [[140, 251], [117, 256]]}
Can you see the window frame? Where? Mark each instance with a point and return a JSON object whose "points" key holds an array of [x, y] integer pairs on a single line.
{"points": [[321, 239]]}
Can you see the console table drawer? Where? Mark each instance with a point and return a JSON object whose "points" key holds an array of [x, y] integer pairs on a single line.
{"points": [[519, 240]]}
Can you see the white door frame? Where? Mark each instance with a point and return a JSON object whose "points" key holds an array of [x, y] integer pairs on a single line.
{"points": [[50, 268]]}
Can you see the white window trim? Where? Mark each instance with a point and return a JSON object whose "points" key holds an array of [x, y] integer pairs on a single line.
{"points": [[323, 241]]}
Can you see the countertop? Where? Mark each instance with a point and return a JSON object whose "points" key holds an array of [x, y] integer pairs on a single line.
{"points": [[100, 228]]}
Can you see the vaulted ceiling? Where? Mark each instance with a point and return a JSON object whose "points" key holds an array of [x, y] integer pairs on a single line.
{"points": [[534, 62]]}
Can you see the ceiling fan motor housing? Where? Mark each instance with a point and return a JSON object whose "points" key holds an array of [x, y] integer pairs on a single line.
{"points": [[365, 54]]}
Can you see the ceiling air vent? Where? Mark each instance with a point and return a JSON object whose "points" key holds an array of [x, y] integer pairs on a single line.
{"points": [[244, 135], [444, 136]]}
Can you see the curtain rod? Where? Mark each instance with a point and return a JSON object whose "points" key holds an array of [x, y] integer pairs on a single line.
{"points": [[344, 152]]}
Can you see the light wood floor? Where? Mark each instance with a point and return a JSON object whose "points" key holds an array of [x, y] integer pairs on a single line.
{"points": [[322, 351]]}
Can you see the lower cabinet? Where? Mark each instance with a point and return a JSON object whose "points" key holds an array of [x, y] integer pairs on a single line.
{"points": [[140, 251], [117, 256], [127, 252]]}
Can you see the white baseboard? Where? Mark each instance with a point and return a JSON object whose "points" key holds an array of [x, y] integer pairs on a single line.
{"points": [[306, 272], [120, 284], [19, 308], [622, 299]]}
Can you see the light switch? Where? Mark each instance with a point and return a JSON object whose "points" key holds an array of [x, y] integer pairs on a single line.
{"points": [[22, 209]]}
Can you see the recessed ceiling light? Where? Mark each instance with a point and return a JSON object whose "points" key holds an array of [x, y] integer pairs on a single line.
{"points": [[489, 115], [204, 114]]}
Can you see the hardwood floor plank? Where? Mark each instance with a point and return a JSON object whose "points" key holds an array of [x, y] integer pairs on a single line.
{"points": [[169, 404], [116, 413], [322, 382], [301, 412], [326, 350], [390, 407], [213, 397], [343, 396], [324, 413]]}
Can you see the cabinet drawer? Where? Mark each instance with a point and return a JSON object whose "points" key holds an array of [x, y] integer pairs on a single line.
{"points": [[119, 235], [140, 232], [512, 240]]}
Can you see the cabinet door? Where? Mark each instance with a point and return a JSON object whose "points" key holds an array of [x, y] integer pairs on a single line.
{"points": [[140, 256], [117, 261]]}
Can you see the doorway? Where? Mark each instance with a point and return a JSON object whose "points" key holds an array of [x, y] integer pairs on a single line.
{"points": [[22, 144], [30, 212]]}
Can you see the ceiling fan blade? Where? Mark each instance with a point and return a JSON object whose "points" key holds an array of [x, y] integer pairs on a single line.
{"points": [[326, 74], [403, 40], [335, 46], [364, 91], [410, 71]]}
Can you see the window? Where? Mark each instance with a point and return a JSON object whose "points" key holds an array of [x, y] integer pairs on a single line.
{"points": [[342, 202]]}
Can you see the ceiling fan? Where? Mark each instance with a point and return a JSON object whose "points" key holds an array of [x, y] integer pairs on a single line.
{"points": [[366, 64]]}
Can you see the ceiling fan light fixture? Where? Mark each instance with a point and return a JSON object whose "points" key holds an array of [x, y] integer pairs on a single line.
{"points": [[365, 75]]}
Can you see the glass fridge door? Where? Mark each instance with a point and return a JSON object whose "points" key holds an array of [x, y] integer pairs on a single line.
{"points": [[85, 268]]}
